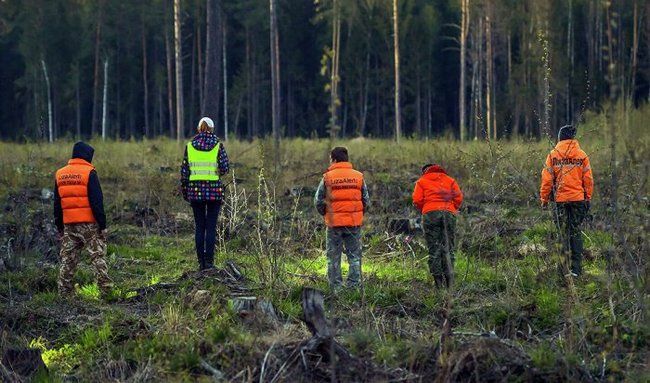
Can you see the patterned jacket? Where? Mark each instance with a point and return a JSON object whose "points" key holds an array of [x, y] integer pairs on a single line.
{"points": [[204, 190]]}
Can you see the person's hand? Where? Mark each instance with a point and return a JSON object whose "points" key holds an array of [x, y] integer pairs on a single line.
{"points": [[587, 204], [544, 205]]}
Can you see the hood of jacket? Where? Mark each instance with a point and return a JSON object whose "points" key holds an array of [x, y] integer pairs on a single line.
{"points": [[434, 170], [83, 151], [205, 141], [566, 147]]}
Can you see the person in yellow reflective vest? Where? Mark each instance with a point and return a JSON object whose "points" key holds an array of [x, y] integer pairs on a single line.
{"points": [[204, 163]]}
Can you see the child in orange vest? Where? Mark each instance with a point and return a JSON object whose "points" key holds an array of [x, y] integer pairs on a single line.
{"points": [[438, 197], [342, 198], [79, 217]]}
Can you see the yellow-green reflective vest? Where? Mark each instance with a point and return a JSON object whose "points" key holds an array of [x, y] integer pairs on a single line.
{"points": [[203, 165]]}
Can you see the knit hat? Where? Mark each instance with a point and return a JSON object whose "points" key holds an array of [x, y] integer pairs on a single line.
{"points": [[208, 122], [567, 132], [425, 167], [83, 150]]}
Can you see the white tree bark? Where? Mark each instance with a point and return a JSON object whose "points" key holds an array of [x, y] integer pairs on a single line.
{"points": [[464, 28], [104, 100], [398, 125], [334, 70], [179, 69], [225, 79], [275, 75], [50, 128]]}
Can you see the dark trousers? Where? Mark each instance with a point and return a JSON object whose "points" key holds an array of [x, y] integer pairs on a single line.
{"points": [[205, 233], [439, 232], [568, 219]]}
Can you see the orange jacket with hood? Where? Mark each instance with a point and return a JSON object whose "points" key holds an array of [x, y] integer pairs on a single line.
{"points": [[435, 190], [567, 175]]}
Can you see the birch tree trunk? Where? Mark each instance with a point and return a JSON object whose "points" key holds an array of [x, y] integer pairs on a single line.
{"points": [[50, 128], [170, 82], [211, 86], [98, 38], [488, 74], [178, 56], [225, 77], [105, 101], [612, 32], [145, 83], [398, 125], [546, 79], [464, 28], [334, 70], [275, 76]]}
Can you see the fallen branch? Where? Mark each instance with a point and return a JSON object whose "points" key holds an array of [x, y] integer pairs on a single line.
{"points": [[216, 374]]}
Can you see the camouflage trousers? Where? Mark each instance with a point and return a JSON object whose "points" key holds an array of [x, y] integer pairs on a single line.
{"points": [[76, 238], [568, 218], [337, 239], [439, 233]]}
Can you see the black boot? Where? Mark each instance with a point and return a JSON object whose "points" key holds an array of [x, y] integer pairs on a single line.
{"points": [[201, 258], [208, 262], [440, 281]]}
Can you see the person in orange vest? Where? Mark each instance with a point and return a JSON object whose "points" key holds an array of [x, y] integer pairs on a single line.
{"points": [[342, 199], [438, 197], [80, 219], [567, 179]]}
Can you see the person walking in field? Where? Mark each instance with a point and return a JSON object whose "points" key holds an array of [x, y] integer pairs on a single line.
{"points": [[342, 199], [204, 163], [80, 219], [438, 197], [567, 179]]}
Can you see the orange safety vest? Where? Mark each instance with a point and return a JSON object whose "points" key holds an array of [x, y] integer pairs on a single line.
{"points": [[72, 183], [343, 195]]}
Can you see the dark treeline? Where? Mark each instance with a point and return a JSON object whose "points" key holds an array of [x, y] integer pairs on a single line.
{"points": [[81, 68]]}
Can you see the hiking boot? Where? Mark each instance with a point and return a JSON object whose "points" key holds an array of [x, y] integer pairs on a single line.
{"points": [[439, 281]]}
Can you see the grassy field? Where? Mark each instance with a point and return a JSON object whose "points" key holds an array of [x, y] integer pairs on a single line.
{"points": [[511, 315]]}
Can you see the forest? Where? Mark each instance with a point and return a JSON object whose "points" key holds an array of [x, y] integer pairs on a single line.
{"points": [[340, 68]]}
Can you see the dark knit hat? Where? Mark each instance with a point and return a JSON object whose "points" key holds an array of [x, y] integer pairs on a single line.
{"points": [[425, 167], [83, 150], [567, 132]]}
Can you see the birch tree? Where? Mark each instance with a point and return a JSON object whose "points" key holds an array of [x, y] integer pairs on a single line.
{"points": [[50, 127], [275, 75], [178, 55], [398, 127], [105, 101], [211, 88], [464, 28], [334, 68]]}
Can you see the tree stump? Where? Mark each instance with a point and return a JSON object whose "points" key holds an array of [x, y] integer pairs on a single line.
{"points": [[322, 340], [23, 361]]}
